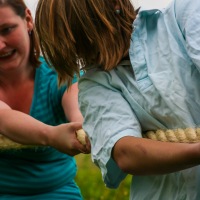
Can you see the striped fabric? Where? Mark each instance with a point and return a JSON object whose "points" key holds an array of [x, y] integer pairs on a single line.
{"points": [[41, 173]]}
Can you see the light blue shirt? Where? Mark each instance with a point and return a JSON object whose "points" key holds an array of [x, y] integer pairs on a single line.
{"points": [[159, 89]]}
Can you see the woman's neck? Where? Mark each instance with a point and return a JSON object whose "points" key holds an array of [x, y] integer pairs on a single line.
{"points": [[16, 77]]}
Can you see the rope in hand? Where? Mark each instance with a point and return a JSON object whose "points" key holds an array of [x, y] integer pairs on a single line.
{"points": [[6, 143], [188, 135]]}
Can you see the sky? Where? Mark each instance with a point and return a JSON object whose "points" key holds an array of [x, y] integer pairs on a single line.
{"points": [[31, 4], [161, 3], [151, 3]]}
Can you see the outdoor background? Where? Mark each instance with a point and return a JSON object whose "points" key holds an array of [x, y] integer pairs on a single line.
{"points": [[92, 187], [89, 176]]}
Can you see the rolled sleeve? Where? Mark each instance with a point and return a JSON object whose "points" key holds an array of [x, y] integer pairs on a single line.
{"points": [[107, 118]]}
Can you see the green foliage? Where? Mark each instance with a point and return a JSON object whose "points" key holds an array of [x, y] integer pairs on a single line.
{"points": [[91, 184]]}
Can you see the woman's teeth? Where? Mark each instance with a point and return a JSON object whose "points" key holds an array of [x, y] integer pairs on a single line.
{"points": [[5, 55]]}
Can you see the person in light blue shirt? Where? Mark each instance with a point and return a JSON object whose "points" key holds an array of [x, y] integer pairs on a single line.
{"points": [[142, 73]]}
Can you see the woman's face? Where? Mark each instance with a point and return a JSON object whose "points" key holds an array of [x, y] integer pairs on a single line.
{"points": [[14, 39]]}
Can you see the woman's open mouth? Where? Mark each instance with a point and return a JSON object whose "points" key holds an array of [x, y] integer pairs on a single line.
{"points": [[7, 54]]}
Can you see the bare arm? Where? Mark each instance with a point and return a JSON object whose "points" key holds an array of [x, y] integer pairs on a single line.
{"points": [[70, 104], [25, 129], [71, 109], [139, 156]]}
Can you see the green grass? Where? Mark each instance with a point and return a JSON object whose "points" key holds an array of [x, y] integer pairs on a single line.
{"points": [[91, 184]]}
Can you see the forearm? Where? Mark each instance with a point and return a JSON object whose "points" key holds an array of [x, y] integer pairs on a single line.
{"points": [[70, 104], [139, 156], [23, 128]]}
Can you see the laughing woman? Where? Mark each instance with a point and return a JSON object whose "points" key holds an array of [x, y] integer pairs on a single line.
{"points": [[35, 112]]}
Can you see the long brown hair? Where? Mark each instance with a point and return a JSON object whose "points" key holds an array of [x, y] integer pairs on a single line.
{"points": [[86, 32], [19, 8]]}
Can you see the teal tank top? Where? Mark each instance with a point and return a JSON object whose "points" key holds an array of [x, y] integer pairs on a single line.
{"points": [[42, 172]]}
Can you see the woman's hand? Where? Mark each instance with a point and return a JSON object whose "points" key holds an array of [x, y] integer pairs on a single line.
{"points": [[63, 137]]}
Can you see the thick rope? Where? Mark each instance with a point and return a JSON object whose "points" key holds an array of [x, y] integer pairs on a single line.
{"points": [[188, 135], [6, 143]]}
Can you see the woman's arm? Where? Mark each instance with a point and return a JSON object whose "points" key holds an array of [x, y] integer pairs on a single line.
{"points": [[70, 104], [71, 109], [25, 129], [139, 156]]}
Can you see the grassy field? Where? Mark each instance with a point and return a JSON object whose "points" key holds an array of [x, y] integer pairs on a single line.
{"points": [[90, 181]]}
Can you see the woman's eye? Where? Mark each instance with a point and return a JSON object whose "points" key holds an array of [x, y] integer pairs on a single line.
{"points": [[7, 30]]}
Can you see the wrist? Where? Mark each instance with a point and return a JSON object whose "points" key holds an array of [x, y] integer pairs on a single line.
{"points": [[46, 136]]}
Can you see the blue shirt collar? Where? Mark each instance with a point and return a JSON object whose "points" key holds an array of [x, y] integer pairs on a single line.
{"points": [[152, 6]]}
